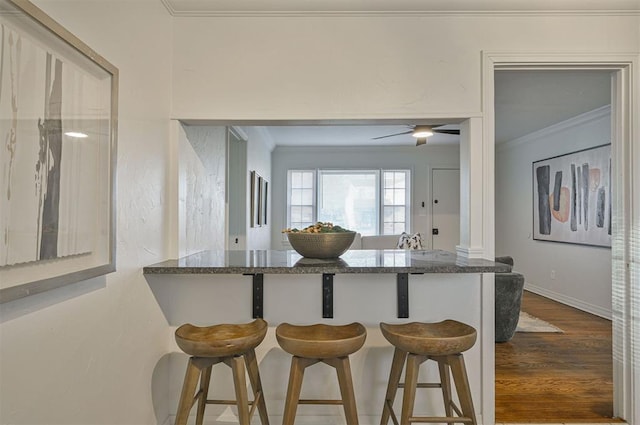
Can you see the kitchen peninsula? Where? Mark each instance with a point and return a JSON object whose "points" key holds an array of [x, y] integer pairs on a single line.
{"points": [[257, 263], [368, 286]]}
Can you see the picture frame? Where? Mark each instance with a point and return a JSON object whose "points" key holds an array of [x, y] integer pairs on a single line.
{"points": [[255, 199], [59, 114], [572, 197], [260, 190], [265, 197]]}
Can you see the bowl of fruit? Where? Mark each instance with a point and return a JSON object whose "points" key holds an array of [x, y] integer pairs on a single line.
{"points": [[320, 240]]}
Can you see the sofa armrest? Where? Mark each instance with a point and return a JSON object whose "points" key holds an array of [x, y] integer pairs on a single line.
{"points": [[505, 260]]}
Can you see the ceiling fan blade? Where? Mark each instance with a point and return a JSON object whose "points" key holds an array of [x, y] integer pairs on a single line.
{"points": [[444, 131], [391, 135], [421, 141]]}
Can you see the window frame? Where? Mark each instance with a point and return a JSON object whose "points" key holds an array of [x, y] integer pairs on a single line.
{"points": [[407, 197], [379, 173], [314, 195]]}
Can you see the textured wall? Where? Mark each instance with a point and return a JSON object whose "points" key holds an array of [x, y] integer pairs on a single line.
{"points": [[95, 352], [202, 167]]}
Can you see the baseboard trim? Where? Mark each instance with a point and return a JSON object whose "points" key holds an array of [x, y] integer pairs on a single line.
{"points": [[570, 301]]}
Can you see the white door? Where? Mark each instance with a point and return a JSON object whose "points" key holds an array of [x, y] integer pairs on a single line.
{"points": [[445, 209]]}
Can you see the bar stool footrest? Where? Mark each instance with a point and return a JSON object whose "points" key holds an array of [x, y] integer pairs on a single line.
{"points": [[319, 401], [438, 419], [423, 385]]}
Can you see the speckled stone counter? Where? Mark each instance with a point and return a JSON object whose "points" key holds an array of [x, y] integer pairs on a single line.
{"points": [[354, 261]]}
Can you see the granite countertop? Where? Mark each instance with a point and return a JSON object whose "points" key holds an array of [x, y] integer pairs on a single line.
{"points": [[353, 261]]}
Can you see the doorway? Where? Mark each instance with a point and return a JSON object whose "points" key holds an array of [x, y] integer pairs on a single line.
{"points": [[625, 365]]}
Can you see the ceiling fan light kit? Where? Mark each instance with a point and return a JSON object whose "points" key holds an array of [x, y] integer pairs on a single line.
{"points": [[422, 132]]}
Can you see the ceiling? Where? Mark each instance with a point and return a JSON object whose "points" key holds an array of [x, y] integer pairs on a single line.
{"points": [[225, 8], [525, 101]]}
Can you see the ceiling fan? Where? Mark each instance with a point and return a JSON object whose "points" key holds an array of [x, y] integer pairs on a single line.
{"points": [[421, 132]]}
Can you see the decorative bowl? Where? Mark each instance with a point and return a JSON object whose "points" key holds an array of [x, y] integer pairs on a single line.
{"points": [[321, 245]]}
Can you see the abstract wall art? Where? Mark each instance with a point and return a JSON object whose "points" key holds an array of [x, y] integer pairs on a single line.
{"points": [[58, 108], [572, 197]]}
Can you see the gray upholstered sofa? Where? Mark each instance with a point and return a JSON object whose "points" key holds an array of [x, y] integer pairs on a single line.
{"points": [[509, 289]]}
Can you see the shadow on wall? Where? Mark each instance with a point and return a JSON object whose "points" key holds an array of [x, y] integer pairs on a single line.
{"points": [[23, 306]]}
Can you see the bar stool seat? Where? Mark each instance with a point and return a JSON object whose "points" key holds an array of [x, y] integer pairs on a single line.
{"points": [[321, 341], [430, 339], [415, 343], [327, 344], [220, 340], [233, 345]]}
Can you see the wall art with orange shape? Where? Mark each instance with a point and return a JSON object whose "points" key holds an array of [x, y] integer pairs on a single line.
{"points": [[572, 197]]}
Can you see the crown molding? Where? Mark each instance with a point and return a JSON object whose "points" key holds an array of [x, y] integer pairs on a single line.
{"points": [[399, 8], [601, 112], [266, 137]]}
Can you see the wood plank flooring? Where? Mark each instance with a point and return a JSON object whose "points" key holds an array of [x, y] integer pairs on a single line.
{"points": [[553, 377]]}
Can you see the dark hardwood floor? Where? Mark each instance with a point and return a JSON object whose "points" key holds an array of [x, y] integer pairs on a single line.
{"points": [[553, 377]]}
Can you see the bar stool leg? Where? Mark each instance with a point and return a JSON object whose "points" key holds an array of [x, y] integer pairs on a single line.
{"points": [[456, 361], [256, 384], [240, 383], [410, 385], [399, 357], [188, 390], [298, 365], [343, 370], [445, 382], [205, 377]]}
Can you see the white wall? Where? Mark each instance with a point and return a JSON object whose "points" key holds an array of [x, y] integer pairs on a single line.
{"points": [[93, 352], [420, 160], [577, 275], [363, 67], [259, 147], [201, 179]]}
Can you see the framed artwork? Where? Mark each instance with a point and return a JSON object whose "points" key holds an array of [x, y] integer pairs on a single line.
{"points": [[259, 211], [58, 120], [265, 197], [255, 179], [572, 197]]}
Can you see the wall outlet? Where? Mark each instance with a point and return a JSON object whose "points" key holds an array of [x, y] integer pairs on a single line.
{"points": [[553, 275]]}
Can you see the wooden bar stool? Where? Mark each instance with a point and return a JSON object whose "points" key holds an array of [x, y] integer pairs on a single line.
{"points": [[416, 343], [320, 343], [232, 345]]}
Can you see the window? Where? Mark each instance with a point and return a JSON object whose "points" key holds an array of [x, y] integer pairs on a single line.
{"points": [[394, 202], [301, 199], [369, 201]]}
